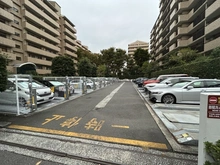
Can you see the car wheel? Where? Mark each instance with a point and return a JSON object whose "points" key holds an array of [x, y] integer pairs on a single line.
{"points": [[22, 102], [88, 87], [168, 99]]}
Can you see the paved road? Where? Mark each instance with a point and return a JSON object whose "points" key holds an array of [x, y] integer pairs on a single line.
{"points": [[114, 114]]}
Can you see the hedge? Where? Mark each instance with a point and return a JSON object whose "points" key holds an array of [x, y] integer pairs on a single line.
{"points": [[204, 69], [3, 73]]}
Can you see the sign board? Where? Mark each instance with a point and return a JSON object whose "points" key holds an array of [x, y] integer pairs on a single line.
{"points": [[213, 109], [208, 123]]}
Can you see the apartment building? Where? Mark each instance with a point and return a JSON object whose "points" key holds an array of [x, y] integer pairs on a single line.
{"points": [[186, 23], [81, 46], [135, 45], [34, 32], [68, 38]]}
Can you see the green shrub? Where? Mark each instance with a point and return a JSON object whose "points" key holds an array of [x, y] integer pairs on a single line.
{"points": [[3, 73], [202, 69], [213, 150]]}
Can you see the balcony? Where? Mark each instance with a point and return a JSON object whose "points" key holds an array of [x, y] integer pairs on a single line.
{"points": [[6, 15], [183, 18], [41, 42], [68, 39], [184, 5], [41, 13], [182, 30], [172, 47], [173, 25], [41, 23], [39, 61], [184, 43], [212, 26], [7, 3], [70, 26], [173, 14], [32, 49], [71, 34], [40, 32], [7, 42], [6, 28], [70, 53], [172, 36], [172, 4], [70, 47], [43, 5], [213, 8], [212, 44]]}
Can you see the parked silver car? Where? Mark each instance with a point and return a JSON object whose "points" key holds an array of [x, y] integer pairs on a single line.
{"points": [[184, 92], [167, 82]]}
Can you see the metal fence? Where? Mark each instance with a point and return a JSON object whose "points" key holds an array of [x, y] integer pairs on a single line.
{"points": [[24, 95]]}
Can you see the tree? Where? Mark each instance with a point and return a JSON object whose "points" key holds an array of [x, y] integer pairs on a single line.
{"points": [[114, 60], [3, 73], [140, 56], [63, 66], [93, 57], [215, 52], [85, 68], [101, 70]]}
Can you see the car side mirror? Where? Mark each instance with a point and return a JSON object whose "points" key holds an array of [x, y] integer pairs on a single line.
{"points": [[168, 82], [190, 87]]}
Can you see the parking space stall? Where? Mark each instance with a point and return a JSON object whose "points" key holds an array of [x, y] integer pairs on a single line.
{"points": [[19, 97]]}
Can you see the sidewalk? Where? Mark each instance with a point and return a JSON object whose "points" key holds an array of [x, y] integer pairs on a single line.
{"points": [[182, 121]]}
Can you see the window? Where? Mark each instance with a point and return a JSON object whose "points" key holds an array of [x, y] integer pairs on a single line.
{"points": [[18, 58], [198, 84], [16, 22], [17, 34], [18, 46], [15, 9]]}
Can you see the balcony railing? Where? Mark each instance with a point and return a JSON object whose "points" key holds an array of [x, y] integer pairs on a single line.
{"points": [[6, 15], [212, 8], [212, 26], [7, 42], [6, 28], [7, 3]]}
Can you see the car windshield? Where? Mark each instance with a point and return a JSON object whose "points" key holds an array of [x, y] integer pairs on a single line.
{"points": [[180, 84], [164, 81], [24, 84], [56, 83]]}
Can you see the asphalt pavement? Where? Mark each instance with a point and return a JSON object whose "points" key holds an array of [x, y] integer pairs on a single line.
{"points": [[130, 116], [182, 121]]}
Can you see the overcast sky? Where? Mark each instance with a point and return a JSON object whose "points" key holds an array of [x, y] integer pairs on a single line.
{"points": [[102, 24]]}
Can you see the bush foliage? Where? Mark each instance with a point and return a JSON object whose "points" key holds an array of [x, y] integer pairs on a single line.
{"points": [[3, 73], [213, 150], [202, 69]]}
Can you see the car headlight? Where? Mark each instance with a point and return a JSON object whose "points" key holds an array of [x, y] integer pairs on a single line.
{"points": [[156, 92]]}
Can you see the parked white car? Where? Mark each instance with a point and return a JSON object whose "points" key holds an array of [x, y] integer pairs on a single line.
{"points": [[44, 93], [167, 82], [184, 92]]}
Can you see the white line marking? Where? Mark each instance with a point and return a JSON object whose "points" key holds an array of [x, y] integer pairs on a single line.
{"points": [[103, 103]]}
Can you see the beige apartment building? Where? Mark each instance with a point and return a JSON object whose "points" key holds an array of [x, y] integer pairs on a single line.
{"points": [[186, 23], [34, 32], [135, 45]]}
